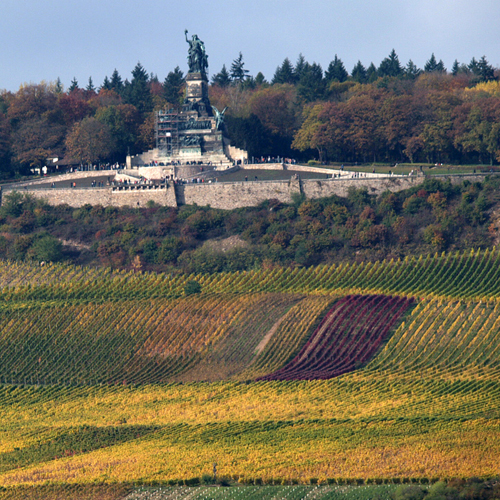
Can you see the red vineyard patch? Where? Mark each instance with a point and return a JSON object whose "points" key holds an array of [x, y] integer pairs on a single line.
{"points": [[346, 339]]}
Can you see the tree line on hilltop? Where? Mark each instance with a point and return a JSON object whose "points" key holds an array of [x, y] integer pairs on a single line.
{"points": [[386, 113]]}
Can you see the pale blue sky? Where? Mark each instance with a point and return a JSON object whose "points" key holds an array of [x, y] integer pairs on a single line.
{"points": [[46, 39]]}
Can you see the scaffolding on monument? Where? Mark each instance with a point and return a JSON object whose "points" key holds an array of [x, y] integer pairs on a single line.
{"points": [[167, 132]]}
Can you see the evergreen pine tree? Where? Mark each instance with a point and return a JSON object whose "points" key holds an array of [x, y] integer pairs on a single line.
{"points": [[431, 64], [248, 83], [485, 70], [311, 85], [440, 66], [411, 70], [59, 86], [222, 79], [73, 85], [284, 73], [358, 73], [238, 72], [390, 66], [300, 66], [336, 71], [455, 69], [116, 82], [139, 94], [371, 73], [474, 67], [106, 84], [125, 92], [90, 86], [260, 79], [173, 85]]}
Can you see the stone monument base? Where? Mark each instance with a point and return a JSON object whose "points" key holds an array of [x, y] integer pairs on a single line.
{"points": [[218, 161]]}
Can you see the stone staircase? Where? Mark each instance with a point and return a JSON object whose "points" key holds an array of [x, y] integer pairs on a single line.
{"points": [[237, 154], [153, 156]]}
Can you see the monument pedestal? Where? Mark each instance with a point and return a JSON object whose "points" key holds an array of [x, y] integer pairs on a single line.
{"points": [[196, 88]]}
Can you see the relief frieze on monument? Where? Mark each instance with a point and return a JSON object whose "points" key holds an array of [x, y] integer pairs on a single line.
{"points": [[192, 124]]}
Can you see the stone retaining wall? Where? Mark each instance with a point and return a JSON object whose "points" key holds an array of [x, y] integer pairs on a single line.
{"points": [[117, 197], [230, 195]]}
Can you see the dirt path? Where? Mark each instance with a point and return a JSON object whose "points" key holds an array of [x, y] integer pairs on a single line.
{"points": [[268, 335]]}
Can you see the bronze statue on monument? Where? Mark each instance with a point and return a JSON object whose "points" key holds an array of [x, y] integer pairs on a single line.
{"points": [[197, 57]]}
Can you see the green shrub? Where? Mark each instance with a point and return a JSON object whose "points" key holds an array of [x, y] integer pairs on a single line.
{"points": [[207, 478], [47, 248], [412, 492], [192, 287]]}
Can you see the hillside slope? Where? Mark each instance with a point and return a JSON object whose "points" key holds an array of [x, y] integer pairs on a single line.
{"points": [[91, 371]]}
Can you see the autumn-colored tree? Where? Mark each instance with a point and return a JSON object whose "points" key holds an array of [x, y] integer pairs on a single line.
{"points": [[400, 119], [5, 146], [437, 134], [492, 87], [35, 140], [31, 101], [365, 132], [37, 125], [479, 133], [105, 97], [413, 147], [276, 108], [74, 107], [323, 129], [89, 141], [123, 122], [145, 134]]}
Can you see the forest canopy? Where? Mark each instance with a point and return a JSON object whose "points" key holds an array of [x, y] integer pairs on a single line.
{"points": [[392, 112]]}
